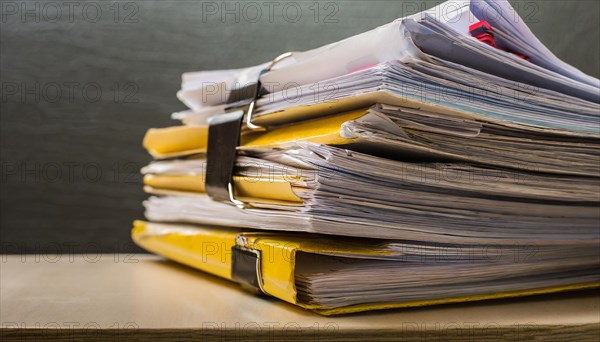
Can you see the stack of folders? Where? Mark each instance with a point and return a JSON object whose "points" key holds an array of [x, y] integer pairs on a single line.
{"points": [[445, 157]]}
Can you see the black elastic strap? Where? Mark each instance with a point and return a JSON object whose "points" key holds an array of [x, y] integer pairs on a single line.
{"points": [[246, 93], [223, 139]]}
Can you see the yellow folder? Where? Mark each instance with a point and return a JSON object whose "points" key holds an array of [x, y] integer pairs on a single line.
{"points": [[319, 123], [211, 250], [179, 141], [273, 191], [186, 140]]}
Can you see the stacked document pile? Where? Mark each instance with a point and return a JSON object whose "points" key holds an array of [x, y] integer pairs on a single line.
{"points": [[447, 156]]}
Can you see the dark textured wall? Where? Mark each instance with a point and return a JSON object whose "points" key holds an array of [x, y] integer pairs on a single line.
{"points": [[79, 90]]}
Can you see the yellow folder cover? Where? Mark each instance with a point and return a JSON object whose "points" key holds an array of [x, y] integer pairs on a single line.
{"points": [[185, 140], [210, 250]]}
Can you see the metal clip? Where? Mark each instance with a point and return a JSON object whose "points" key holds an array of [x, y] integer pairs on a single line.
{"points": [[250, 110], [252, 126], [246, 268]]}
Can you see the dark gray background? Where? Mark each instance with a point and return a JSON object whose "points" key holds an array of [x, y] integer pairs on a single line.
{"points": [[79, 91]]}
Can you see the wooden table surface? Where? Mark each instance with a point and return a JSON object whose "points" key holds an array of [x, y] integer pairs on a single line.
{"points": [[131, 297]]}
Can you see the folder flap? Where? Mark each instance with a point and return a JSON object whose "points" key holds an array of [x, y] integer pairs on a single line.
{"points": [[207, 249], [175, 141], [275, 189], [325, 130], [192, 183], [184, 140]]}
